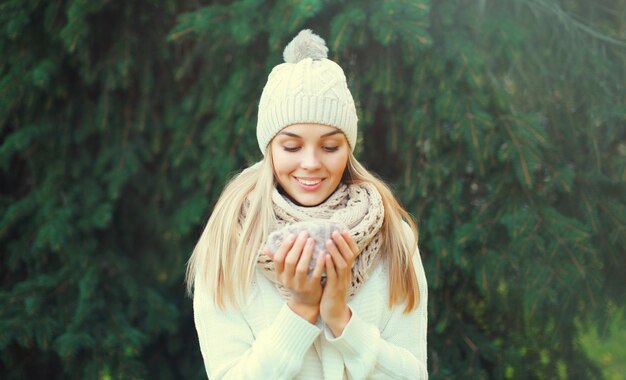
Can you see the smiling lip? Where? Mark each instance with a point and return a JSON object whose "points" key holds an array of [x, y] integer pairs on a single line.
{"points": [[309, 184]]}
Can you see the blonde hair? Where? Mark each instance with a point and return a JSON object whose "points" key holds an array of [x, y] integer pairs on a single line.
{"points": [[225, 256]]}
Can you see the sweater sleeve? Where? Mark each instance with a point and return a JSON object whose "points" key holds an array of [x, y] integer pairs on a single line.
{"points": [[398, 351], [231, 351]]}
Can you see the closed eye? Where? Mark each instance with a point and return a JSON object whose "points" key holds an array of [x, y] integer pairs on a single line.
{"points": [[296, 148]]}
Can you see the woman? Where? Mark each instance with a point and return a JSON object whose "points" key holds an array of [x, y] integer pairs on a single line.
{"points": [[360, 312]]}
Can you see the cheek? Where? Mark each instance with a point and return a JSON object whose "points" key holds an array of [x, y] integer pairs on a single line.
{"points": [[282, 164], [275, 162], [339, 166], [276, 159]]}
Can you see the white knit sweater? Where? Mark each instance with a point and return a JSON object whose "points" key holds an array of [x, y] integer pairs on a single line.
{"points": [[266, 340]]}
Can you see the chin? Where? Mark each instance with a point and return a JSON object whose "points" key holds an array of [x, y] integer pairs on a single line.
{"points": [[311, 200], [307, 201]]}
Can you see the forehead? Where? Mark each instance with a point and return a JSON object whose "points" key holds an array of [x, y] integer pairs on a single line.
{"points": [[311, 130]]}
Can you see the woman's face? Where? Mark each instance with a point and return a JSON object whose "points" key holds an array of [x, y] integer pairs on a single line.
{"points": [[309, 161]]}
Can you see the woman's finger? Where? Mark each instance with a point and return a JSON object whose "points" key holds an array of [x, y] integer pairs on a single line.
{"points": [[343, 247], [281, 253], [320, 264], [302, 269], [331, 273], [293, 256], [339, 262]]}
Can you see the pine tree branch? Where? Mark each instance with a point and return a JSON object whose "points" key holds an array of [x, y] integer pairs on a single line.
{"points": [[570, 20]]}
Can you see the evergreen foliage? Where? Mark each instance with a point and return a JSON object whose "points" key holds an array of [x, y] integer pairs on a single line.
{"points": [[499, 123]]}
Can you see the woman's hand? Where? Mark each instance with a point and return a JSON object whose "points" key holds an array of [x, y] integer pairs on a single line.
{"points": [[333, 306], [291, 262]]}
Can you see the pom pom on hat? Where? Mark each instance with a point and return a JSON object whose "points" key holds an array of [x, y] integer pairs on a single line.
{"points": [[309, 89], [305, 45]]}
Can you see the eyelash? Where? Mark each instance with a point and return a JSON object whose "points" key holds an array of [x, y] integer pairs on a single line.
{"points": [[329, 149]]}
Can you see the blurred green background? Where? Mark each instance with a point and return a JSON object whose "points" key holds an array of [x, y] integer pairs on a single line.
{"points": [[501, 125]]}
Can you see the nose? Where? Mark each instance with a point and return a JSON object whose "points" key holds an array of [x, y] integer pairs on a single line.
{"points": [[310, 161]]}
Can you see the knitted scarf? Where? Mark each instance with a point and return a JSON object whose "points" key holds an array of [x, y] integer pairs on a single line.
{"points": [[358, 206]]}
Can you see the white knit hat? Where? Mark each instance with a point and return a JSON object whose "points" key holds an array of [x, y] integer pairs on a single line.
{"points": [[307, 88]]}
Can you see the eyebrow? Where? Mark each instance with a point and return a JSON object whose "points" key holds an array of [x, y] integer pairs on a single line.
{"points": [[298, 136]]}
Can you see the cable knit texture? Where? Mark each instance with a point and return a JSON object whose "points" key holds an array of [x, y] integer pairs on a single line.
{"points": [[359, 207], [266, 340], [307, 88]]}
